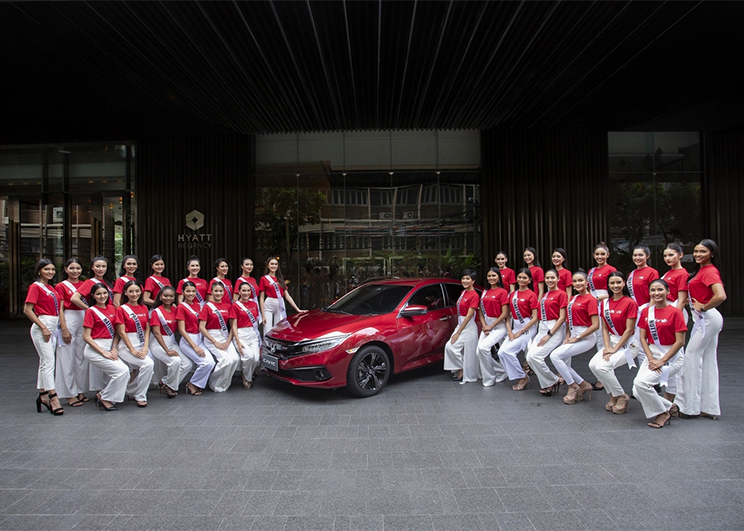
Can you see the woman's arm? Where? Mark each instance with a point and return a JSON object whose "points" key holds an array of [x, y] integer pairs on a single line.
{"points": [[205, 332], [159, 337], [147, 298], [28, 311], [66, 335], [533, 321], [468, 318], [291, 301], [78, 301], [679, 342], [122, 333], [540, 290], [117, 299], [719, 295], [261, 298]]}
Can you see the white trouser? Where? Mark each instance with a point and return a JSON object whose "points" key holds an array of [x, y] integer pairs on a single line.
{"points": [[462, 355], [144, 367], [272, 313], [491, 370], [45, 349], [250, 356], [565, 352], [204, 365], [600, 295], [646, 379], [72, 368], [227, 362], [604, 370], [176, 367], [115, 373], [510, 350], [536, 354], [698, 383], [673, 380]]}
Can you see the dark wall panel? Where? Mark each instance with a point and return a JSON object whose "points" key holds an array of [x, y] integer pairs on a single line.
{"points": [[723, 197], [211, 174], [544, 189]]}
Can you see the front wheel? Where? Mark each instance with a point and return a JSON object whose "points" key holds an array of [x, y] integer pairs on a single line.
{"points": [[369, 371]]}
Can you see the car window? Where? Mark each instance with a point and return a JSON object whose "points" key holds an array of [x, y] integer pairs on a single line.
{"points": [[370, 299], [453, 293], [429, 296]]}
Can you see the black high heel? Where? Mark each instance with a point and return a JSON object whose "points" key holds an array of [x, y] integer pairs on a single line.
{"points": [[40, 402], [56, 412], [102, 406], [552, 390]]}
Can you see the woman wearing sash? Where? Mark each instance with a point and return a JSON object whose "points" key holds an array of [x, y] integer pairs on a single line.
{"points": [[493, 313], [222, 268], [641, 277], [676, 278], [133, 327], [272, 296], [102, 350], [521, 330], [583, 321], [663, 339], [187, 315], [43, 308], [165, 349], [459, 352], [156, 281], [698, 384], [550, 333], [129, 272], [619, 313], [597, 278], [565, 278], [194, 266], [246, 266], [244, 322], [508, 277], [213, 325], [71, 377], [538, 276]]}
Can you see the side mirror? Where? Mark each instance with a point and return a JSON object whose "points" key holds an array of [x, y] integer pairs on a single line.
{"points": [[410, 311]]}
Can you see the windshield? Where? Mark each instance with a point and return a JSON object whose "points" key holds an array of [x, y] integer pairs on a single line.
{"points": [[372, 299]]}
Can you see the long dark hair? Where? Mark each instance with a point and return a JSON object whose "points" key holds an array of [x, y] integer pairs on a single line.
{"points": [[713, 248], [124, 298], [279, 275], [108, 278], [39, 266], [96, 287], [65, 276], [500, 281], [535, 261], [159, 300], [122, 271], [619, 274]]}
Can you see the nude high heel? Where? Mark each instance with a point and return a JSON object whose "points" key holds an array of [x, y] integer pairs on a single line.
{"points": [[585, 389], [609, 405], [571, 396], [621, 407]]}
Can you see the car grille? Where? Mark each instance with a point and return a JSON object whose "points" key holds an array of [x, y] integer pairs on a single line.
{"points": [[280, 349]]}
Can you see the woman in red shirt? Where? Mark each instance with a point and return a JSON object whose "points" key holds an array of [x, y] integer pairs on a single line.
{"points": [[99, 274], [133, 327], [156, 281], [538, 276], [222, 268], [218, 336], [459, 352], [102, 348], [71, 377], [641, 277], [493, 313], [550, 333], [597, 279], [246, 265], [582, 323], [244, 319], [192, 344], [194, 266], [43, 307], [165, 349], [663, 339], [565, 278], [698, 384], [273, 295], [508, 277], [129, 272], [619, 313], [677, 278]]}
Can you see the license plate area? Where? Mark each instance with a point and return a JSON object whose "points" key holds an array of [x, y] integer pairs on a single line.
{"points": [[270, 362]]}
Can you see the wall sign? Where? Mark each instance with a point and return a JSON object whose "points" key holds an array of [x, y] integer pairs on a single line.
{"points": [[194, 240]]}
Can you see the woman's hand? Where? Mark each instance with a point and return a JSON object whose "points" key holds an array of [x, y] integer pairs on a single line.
{"points": [[172, 353], [66, 336], [544, 339], [454, 338], [698, 306], [112, 354], [511, 335], [221, 346], [655, 365], [570, 340], [239, 345], [199, 352]]}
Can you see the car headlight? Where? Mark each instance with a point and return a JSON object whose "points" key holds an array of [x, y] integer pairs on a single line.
{"points": [[322, 344]]}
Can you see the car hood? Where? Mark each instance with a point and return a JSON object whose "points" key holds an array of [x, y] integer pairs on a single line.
{"points": [[318, 324]]}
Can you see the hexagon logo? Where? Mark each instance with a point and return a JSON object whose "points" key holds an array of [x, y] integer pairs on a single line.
{"points": [[195, 220]]}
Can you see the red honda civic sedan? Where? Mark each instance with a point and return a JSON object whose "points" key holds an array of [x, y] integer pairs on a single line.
{"points": [[378, 329]]}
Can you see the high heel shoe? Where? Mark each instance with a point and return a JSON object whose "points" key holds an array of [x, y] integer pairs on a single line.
{"points": [[571, 396], [170, 393], [621, 406], [609, 405], [584, 389], [40, 402], [523, 384], [57, 411], [659, 425], [103, 406], [674, 410], [190, 391], [552, 390]]}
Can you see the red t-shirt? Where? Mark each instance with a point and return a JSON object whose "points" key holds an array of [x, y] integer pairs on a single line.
{"points": [[85, 287], [227, 284], [620, 311], [526, 302], [582, 309], [208, 315], [554, 301], [120, 282], [236, 312], [266, 286], [467, 300], [677, 280], [537, 276], [669, 321], [189, 317], [168, 316], [493, 301], [250, 280], [44, 303], [508, 277], [599, 276], [152, 286], [641, 280], [65, 293], [122, 317], [98, 330], [565, 279], [200, 283], [699, 285]]}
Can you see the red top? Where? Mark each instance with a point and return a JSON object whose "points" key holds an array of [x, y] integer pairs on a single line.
{"points": [[620, 311], [43, 302], [669, 321], [493, 301], [467, 300], [190, 318], [526, 302], [119, 284], [508, 277], [554, 301], [201, 286], [168, 316], [265, 286], [565, 279], [537, 276], [122, 317], [65, 294], [228, 288], [599, 276], [208, 315], [677, 280], [584, 306], [98, 330], [250, 280], [699, 285], [153, 287], [642, 278], [236, 312], [85, 287]]}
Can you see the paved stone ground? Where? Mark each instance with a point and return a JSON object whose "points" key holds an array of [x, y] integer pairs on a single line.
{"points": [[426, 453]]}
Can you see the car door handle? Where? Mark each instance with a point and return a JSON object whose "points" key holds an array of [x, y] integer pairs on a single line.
{"points": [[445, 318]]}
